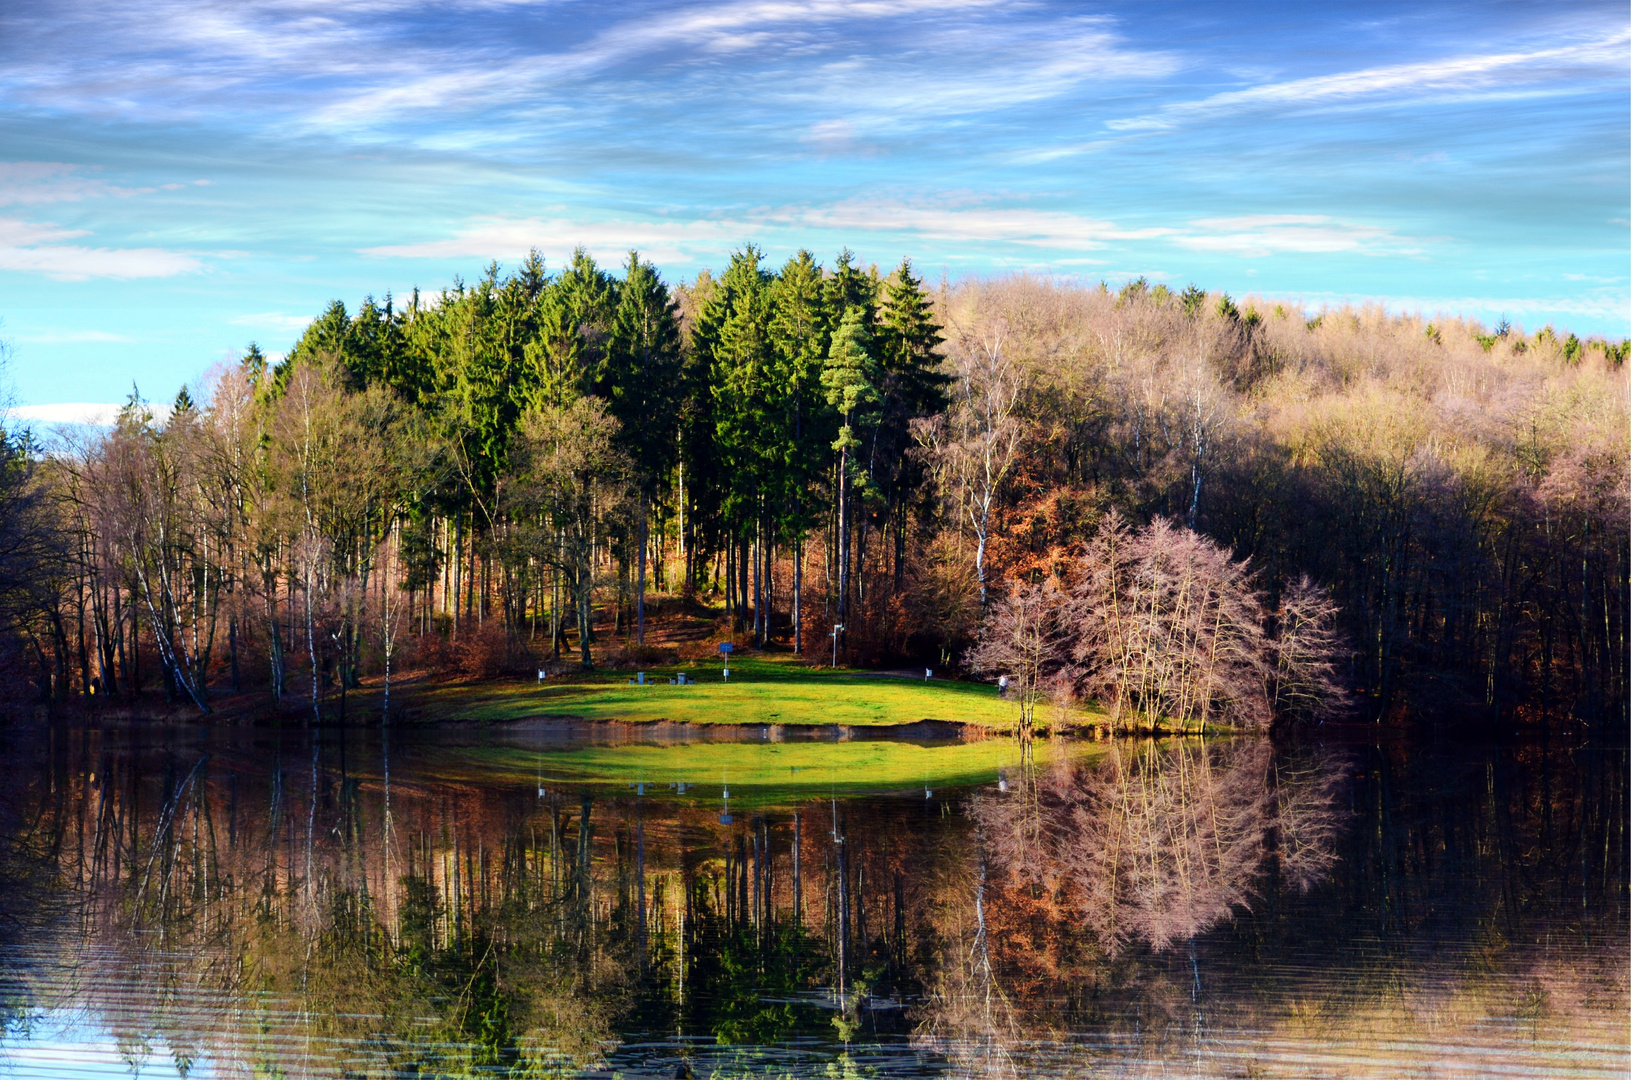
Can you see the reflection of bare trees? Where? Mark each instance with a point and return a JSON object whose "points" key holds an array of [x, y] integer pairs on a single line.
{"points": [[1158, 844], [1150, 844]]}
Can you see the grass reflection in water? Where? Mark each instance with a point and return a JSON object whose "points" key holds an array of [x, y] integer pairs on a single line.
{"points": [[862, 908]]}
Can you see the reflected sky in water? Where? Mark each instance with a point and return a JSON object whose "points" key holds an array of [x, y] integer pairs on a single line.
{"points": [[249, 904]]}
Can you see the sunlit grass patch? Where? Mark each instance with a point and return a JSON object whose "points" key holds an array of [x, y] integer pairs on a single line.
{"points": [[759, 691]]}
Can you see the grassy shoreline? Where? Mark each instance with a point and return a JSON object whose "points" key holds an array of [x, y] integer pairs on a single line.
{"points": [[760, 690]]}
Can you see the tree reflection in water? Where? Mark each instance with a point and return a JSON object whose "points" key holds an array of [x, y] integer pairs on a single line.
{"points": [[287, 911], [1153, 844], [1161, 843]]}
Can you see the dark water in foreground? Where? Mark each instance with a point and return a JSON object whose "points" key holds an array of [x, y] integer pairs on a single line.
{"points": [[244, 904]]}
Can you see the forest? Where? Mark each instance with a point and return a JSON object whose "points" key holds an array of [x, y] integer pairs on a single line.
{"points": [[1409, 517]]}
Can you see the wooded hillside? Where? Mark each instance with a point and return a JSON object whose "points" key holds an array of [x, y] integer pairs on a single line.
{"points": [[507, 472]]}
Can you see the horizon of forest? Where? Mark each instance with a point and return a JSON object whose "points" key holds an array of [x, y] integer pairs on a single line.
{"points": [[502, 473]]}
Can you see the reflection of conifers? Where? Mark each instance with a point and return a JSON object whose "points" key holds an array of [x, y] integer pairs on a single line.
{"points": [[1161, 843], [369, 924]]}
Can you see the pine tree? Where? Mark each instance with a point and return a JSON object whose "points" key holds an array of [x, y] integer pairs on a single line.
{"points": [[850, 379], [912, 386], [800, 338], [639, 381]]}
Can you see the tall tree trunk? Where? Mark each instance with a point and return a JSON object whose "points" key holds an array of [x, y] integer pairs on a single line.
{"points": [[586, 615], [456, 569], [843, 535], [730, 579], [640, 584], [798, 597], [274, 635], [900, 546], [742, 574], [84, 649], [798, 880]]}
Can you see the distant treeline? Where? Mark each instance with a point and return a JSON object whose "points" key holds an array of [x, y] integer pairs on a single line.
{"points": [[501, 474]]}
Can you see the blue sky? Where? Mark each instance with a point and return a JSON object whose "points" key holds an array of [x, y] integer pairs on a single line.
{"points": [[179, 178]]}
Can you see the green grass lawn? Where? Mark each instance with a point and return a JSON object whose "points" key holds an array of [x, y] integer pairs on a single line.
{"points": [[760, 691], [758, 774]]}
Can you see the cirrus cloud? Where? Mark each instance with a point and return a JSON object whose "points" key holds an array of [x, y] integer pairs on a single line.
{"points": [[38, 248], [1499, 74], [1260, 235]]}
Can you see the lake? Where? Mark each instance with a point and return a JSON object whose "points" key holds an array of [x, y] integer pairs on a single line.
{"points": [[607, 901]]}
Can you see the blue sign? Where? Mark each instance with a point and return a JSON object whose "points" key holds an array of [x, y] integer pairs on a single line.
{"points": [[725, 646]]}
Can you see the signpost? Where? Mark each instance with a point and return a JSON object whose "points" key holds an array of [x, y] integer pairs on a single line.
{"points": [[725, 650]]}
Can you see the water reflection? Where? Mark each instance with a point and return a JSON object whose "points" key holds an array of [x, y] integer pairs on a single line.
{"points": [[232, 906], [1161, 842]]}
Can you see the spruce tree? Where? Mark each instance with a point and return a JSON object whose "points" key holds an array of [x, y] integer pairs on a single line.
{"points": [[640, 380], [912, 386], [850, 380]]}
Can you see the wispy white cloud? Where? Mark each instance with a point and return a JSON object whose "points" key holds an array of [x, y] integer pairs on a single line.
{"points": [[24, 183], [38, 248], [367, 68], [685, 242], [938, 58], [1304, 234], [958, 70], [1534, 311], [977, 223], [949, 220], [1495, 73]]}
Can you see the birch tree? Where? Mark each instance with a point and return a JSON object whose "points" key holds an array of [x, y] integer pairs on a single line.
{"points": [[976, 442]]}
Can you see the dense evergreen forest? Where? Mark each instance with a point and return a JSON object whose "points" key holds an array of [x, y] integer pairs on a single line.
{"points": [[534, 467]]}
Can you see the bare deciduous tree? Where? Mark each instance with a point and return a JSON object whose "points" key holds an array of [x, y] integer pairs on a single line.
{"points": [[1024, 639], [1170, 628], [973, 446], [570, 481], [1303, 683], [1164, 626]]}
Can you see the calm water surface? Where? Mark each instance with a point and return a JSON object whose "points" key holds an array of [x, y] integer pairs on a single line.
{"points": [[245, 903]]}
